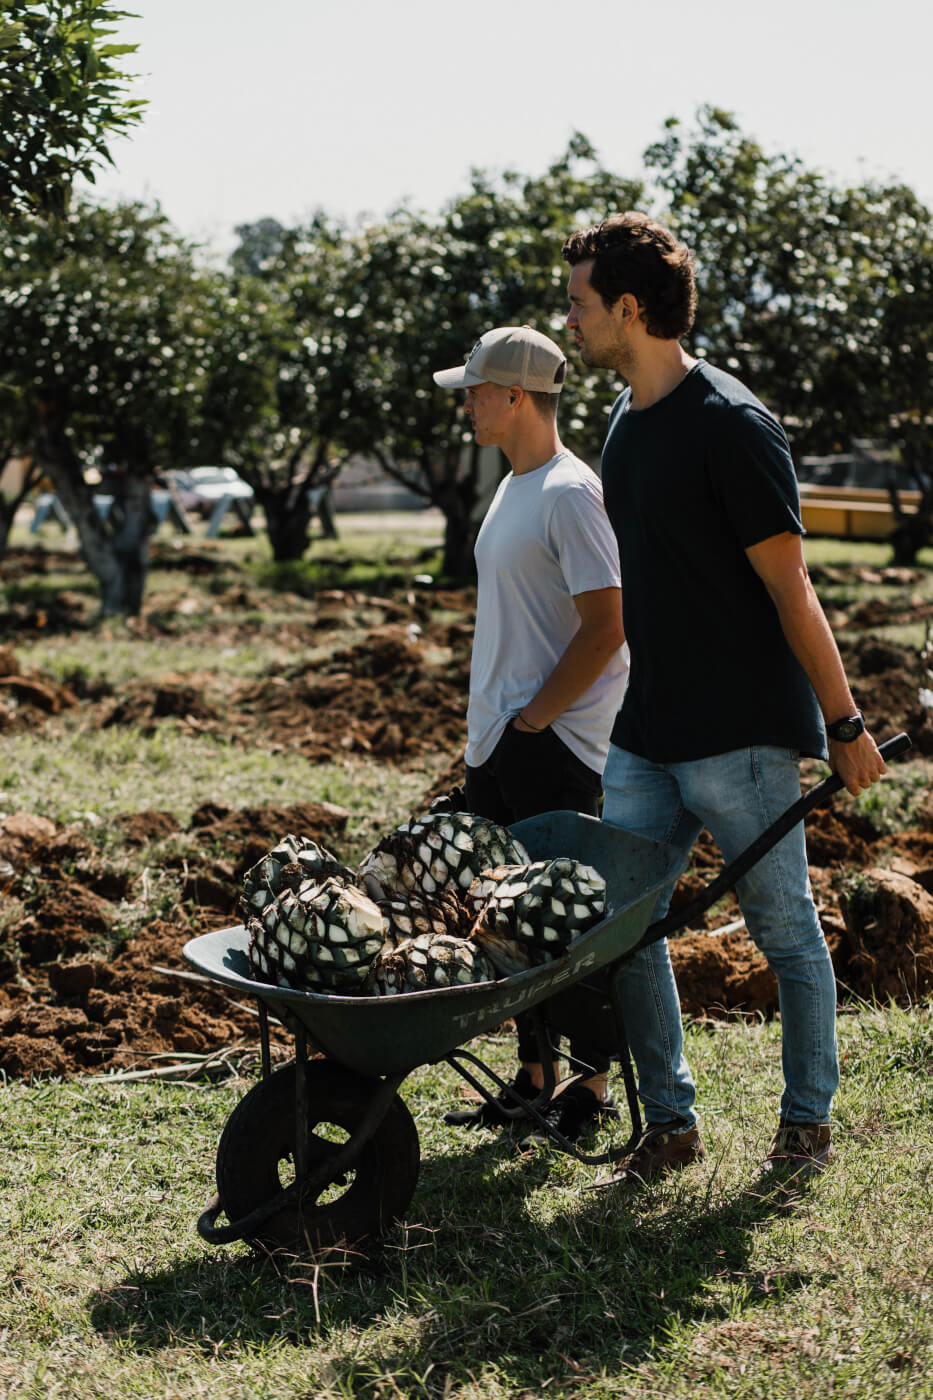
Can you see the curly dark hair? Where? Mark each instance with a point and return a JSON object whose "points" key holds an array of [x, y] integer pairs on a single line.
{"points": [[632, 253]]}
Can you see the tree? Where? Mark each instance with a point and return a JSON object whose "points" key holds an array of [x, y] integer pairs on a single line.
{"points": [[908, 329], [107, 325], [61, 99], [805, 287], [818, 295], [433, 286], [293, 352]]}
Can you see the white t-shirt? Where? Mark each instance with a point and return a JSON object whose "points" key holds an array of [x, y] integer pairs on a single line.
{"points": [[545, 538]]}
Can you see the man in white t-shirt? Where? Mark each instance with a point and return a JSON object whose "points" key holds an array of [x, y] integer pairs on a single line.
{"points": [[549, 664]]}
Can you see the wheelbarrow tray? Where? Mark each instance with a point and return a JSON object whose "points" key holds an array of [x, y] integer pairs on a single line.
{"points": [[393, 1035]]}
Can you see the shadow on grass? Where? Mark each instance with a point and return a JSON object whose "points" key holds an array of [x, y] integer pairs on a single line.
{"points": [[35, 607], [604, 1279], [321, 571]]}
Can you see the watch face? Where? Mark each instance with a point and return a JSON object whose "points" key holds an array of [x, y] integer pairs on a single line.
{"points": [[845, 730]]}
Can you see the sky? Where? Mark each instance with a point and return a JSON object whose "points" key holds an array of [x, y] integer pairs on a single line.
{"points": [[274, 108]]}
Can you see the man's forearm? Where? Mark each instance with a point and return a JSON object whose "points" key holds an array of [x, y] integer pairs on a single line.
{"points": [[810, 638], [586, 657], [779, 564]]}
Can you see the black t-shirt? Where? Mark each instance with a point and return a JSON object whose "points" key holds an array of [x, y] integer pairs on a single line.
{"points": [[689, 484]]}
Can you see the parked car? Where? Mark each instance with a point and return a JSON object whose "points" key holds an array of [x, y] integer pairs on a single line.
{"points": [[198, 489]]}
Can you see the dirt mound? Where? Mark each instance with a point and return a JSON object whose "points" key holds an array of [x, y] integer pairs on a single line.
{"points": [[722, 974], [59, 611], [76, 998], [28, 695], [382, 696], [889, 918], [888, 679], [119, 1013], [73, 997], [140, 827], [87, 984], [171, 696]]}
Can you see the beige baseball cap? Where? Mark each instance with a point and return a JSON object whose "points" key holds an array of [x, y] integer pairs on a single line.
{"points": [[507, 356]]}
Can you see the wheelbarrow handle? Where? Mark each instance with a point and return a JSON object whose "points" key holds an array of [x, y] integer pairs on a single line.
{"points": [[818, 796]]}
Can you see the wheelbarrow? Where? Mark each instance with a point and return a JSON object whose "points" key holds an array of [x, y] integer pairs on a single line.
{"points": [[324, 1151]]}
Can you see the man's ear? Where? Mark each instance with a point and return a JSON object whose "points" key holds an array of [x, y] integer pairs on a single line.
{"points": [[627, 309]]}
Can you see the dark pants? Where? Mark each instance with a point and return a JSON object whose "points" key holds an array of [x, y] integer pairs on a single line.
{"points": [[524, 775]]}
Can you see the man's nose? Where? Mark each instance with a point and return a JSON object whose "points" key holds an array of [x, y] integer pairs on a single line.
{"points": [[571, 318]]}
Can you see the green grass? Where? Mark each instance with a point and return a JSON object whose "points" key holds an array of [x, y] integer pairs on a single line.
{"points": [[893, 804], [374, 561], [867, 554], [89, 776], [123, 656], [368, 547], [508, 1278]]}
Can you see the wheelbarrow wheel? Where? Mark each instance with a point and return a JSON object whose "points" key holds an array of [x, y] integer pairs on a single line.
{"points": [[256, 1160]]}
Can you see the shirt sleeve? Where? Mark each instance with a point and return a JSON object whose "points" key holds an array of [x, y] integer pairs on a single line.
{"points": [[584, 541], [752, 476]]}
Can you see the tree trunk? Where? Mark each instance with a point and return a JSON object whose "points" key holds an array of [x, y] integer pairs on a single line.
{"points": [[6, 524], [457, 502], [118, 561], [459, 538], [458, 497], [913, 532], [908, 539], [130, 541], [288, 525]]}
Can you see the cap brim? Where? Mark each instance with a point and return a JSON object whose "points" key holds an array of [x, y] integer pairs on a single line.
{"points": [[458, 378]]}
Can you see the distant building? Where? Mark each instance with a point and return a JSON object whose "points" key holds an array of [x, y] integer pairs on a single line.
{"points": [[864, 465]]}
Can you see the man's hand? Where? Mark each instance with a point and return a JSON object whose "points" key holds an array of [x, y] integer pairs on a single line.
{"points": [[859, 764]]}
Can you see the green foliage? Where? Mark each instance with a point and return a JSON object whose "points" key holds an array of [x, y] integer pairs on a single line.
{"points": [[109, 318], [320, 341], [818, 295], [284, 401], [892, 805], [62, 99], [433, 286]]}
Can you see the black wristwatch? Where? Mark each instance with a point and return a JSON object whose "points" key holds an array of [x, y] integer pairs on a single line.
{"points": [[845, 730]]}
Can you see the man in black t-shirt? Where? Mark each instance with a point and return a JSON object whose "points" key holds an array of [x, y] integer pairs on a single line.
{"points": [[734, 671]]}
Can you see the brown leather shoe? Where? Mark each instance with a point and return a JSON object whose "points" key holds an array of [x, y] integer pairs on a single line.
{"points": [[800, 1150], [661, 1148]]}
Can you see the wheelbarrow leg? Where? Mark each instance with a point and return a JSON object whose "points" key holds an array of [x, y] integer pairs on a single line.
{"points": [[616, 973], [546, 1053], [460, 1057], [301, 1103], [264, 1047]]}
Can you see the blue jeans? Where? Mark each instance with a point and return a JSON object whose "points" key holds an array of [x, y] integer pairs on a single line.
{"points": [[735, 796]]}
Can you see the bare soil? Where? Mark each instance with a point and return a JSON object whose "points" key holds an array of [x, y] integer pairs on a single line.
{"points": [[75, 999]]}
